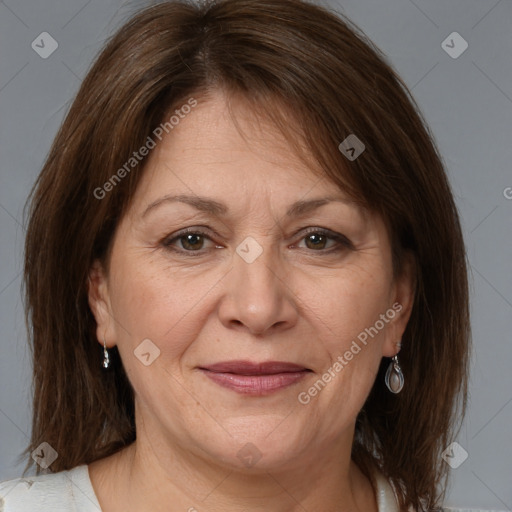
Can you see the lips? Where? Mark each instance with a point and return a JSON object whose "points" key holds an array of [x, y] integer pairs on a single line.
{"points": [[250, 368], [249, 378]]}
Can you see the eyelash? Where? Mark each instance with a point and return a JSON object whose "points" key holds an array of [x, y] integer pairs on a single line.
{"points": [[342, 242]]}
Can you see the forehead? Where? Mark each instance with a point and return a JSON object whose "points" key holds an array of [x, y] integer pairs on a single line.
{"points": [[226, 148]]}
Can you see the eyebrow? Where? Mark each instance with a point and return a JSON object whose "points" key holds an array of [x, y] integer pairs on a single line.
{"points": [[213, 207], [200, 203]]}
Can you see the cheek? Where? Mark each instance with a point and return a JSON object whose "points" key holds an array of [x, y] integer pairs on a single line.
{"points": [[153, 301], [156, 307], [346, 314], [348, 303]]}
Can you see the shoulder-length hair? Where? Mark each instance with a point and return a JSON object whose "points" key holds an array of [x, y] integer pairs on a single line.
{"points": [[290, 59]]}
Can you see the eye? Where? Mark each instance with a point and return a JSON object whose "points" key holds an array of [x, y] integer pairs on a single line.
{"points": [[192, 240], [319, 239], [316, 241]]}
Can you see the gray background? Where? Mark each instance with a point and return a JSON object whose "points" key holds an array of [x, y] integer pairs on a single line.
{"points": [[467, 101]]}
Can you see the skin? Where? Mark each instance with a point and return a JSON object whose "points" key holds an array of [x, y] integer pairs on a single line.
{"points": [[299, 301]]}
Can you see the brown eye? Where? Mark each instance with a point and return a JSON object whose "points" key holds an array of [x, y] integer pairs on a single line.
{"points": [[192, 241], [324, 241], [316, 241]]}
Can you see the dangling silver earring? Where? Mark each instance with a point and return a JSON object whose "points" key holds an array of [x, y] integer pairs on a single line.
{"points": [[394, 377], [106, 358]]}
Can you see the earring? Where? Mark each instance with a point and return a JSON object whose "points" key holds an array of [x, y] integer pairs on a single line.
{"points": [[394, 377], [106, 358]]}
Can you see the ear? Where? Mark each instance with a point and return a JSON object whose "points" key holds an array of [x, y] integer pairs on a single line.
{"points": [[99, 302], [402, 301]]}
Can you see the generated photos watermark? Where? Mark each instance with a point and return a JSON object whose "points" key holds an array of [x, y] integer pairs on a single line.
{"points": [[144, 150], [304, 397]]}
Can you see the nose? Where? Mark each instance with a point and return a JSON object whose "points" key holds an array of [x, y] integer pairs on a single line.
{"points": [[258, 298]]}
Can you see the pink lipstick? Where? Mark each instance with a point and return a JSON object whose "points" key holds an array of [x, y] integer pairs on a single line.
{"points": [[250, 378]]}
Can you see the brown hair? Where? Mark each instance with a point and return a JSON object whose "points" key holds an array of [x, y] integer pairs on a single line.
{"points": [[320, 69]]}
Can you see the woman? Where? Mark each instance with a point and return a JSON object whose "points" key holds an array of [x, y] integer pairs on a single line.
{"points": [[245, 276]]}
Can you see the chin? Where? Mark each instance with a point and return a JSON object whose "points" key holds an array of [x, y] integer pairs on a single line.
{"points": [[264, 448]]}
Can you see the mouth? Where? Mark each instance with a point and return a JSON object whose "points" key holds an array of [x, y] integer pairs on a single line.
{"points": [[250, 378]]}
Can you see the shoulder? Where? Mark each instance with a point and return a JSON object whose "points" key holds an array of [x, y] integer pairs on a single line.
{"points": [[55, 492], [385, 494]]}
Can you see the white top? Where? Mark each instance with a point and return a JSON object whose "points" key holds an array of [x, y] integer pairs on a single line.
{"points": [[72, 490]]}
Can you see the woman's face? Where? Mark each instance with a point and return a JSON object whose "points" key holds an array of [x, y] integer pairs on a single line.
{"points": [[234, 251]]}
